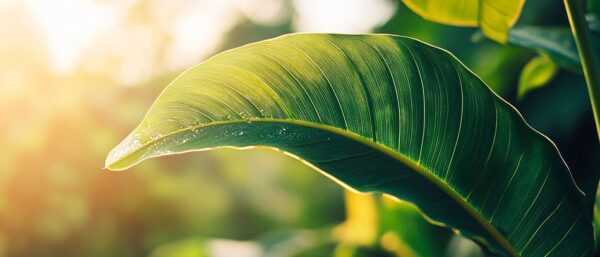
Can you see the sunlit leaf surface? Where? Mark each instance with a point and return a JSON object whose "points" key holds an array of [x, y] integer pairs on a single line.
{"points": [[495, 17], [379, 113], [539, 71]]}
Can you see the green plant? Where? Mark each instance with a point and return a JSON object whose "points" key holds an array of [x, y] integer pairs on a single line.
{"points": [[387, 114]]}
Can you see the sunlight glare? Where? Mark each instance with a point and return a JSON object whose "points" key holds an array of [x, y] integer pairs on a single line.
{"points": [[198, 31], [351, 16], [69, 27]]}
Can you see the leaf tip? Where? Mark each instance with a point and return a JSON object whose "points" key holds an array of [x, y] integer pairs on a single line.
{"points": [[117, 158]]}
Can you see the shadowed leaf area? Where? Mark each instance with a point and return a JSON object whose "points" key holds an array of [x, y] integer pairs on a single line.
{"points": [[380, 113]]}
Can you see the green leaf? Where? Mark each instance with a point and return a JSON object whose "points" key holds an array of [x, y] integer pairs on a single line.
{"points": [[461, 247], [597, 221], [494, 17], [379, 113], [556, 43], [361, 226], [593, 20], [593, 6], [408, 234], [537, 73]]}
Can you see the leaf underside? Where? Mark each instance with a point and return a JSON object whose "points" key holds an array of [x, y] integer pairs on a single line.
{"points": [[379, 113], [494, 17]]}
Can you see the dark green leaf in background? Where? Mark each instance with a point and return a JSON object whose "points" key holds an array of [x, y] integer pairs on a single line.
{"points": [[597, 221], [593, 6], [406, 232], [593, 20], [556, 43]]}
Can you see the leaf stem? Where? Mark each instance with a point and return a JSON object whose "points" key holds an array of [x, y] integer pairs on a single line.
{"points": [[591, 70]]}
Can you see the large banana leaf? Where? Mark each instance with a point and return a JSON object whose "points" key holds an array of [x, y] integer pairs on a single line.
{"points": [[494, 17], [379, 113]]}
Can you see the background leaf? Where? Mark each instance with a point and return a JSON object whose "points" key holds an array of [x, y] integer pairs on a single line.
{"points": [[494, 17], [597, 221], [556, 43], [593, 6], [361, 226], [593, 20], [374, 113], [539, 71], [407, 232]]}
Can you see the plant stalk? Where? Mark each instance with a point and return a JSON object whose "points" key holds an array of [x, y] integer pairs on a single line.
{"points": [[591, 70]]}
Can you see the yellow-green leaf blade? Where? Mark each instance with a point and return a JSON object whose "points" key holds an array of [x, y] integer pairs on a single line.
{"points": [[537, 73], [495, 17], [379, 113]]}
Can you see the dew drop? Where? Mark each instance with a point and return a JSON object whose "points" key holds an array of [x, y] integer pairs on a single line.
{"points": [[126, 147]]}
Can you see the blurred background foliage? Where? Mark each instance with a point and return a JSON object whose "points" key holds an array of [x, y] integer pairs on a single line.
{"points": [[76, 75]]}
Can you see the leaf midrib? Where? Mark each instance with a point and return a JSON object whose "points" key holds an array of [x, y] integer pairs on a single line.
{"points": [[488, 227]]}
